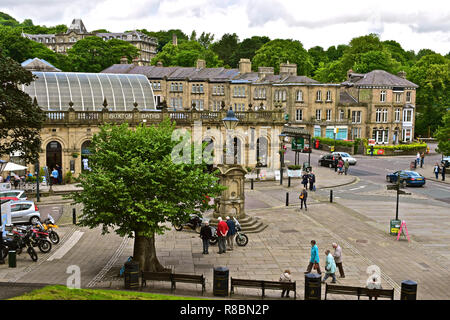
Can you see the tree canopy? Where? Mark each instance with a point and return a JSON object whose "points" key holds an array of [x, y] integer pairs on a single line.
{"points": [[20, 118], [135, 168]]}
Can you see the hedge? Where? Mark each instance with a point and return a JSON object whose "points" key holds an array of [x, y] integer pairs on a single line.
{"points": [[411, 146], [330, 142]]}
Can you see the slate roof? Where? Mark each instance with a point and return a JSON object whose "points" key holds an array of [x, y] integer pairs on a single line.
{"points": [[346, 98], [37, 64], [384, 78]]}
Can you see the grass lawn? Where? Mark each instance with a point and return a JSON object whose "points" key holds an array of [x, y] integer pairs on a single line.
{"points": [[59, 292]]}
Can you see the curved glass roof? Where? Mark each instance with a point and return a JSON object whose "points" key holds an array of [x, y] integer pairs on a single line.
{"points": [[87, 91]]}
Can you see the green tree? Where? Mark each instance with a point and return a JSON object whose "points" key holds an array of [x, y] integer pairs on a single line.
{"points": [[335, 53], [135, 187], [280, 51], [20, 118], [247, 49], [432, 74], [165, 37], [185, 55], [318, 55], [225, 48], [330, 72], [442, 135], [92, 54], [205, 39], [376, 60]]}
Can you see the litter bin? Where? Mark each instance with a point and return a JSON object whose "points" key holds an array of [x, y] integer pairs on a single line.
{"points": [[131, 274], [12, 258], [409, 290], [220, 281], [413, 165], [395, 227], [313, 286]]}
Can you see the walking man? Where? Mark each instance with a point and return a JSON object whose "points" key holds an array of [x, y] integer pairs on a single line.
{"points": [[417, 159], [330, 267], [338, 259], [305, 180], [222, 230], [336, 161], [346, 166], [303, 197], [314, 260], [422, 159], [205, 234], [312, 180], [231, 233], [443, 172]]}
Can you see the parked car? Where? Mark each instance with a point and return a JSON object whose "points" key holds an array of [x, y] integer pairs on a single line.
{"points": [[327, 160], [446, 161], [346, 156], [14, 193], [24, 211], [407, 178], [6, 199]]}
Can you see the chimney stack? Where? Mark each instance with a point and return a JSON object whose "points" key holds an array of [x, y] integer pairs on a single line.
{"points": [[136, 61], [201, 64], [289, 69], [159, 64], [245, 66], [402, 74], [123, 60]]}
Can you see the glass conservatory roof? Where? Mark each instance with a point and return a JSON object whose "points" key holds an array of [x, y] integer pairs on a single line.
{"points": [[87, 91]]}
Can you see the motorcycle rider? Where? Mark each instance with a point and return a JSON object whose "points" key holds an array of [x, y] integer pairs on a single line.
{"points": [[205, 234]]}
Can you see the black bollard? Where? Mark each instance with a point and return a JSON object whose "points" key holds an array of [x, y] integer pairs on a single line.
{"points": [[74, 216], [289, 182], [251, 184], [287, 199], [331, 195]]}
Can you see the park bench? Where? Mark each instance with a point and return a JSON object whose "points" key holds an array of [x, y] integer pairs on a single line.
{"points": [[263, 285], [173, 278], [359, 291]]}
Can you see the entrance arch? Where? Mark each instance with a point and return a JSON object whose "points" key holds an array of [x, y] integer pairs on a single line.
{"points": [[53, 155]]}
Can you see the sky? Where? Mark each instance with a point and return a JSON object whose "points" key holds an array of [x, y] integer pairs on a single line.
{"points": [[415, 24]]}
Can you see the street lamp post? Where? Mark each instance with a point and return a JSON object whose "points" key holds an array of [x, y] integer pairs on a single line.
{"points": [[282, 136], [230, 121], [2, 167]]}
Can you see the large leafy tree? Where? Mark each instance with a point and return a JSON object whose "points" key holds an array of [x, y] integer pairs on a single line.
{"points": [[279, 51], [225, 48], [92, 54], [165, 37], [247, 49], [20, 118], [432, 74], [135, 187], [186, 54]]}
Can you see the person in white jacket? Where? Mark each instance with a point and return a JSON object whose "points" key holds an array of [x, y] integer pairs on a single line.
{"points": [[285, 277], [338, 259]]}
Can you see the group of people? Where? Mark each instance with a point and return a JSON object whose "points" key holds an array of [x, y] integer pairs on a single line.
{"points": [[309, 178], [15, 179], [226, 232], [341, 166], [437, 169], [332, 262], [420, 159]]}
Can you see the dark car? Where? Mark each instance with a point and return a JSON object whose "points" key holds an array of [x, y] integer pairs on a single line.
{"points": [[407, 178], [446, 161], [327, 160]]}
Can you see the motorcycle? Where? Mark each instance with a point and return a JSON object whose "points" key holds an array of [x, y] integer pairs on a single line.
{"points": [[38, 238], [241, 238], [195, 223], [18, 241], [48, 225]]}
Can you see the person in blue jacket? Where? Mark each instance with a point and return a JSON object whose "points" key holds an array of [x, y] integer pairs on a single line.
{"points": [[314, 260], [330, 267]]}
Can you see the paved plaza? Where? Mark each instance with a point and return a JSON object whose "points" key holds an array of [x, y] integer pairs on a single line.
{"points": [[360, 226]]}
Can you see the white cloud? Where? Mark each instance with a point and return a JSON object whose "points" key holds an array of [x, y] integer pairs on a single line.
{"points": [[413, 23]]}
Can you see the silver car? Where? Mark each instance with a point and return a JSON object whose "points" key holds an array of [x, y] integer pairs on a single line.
{"points": [[19, 194], [346, 156], [24, 211]]}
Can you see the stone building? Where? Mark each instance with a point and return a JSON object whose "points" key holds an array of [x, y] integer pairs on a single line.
{"points": [[354, 106], [61, 42]]}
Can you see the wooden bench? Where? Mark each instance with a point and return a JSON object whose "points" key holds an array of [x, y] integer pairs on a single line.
{"points": [[263, 285], [173, 278], [359, 292]]}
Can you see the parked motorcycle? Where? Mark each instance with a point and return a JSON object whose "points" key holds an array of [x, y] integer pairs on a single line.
{"points": [[48, 225], [241, 238], [18, 241], [38, 238], [195, 223]]}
